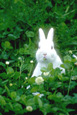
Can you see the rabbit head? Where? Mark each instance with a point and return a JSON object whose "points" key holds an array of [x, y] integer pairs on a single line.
{"points": [[46, 52]]}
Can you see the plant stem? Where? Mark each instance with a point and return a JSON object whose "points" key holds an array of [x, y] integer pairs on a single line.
{"points": [[69, 86], [20, 73], [69, 83], [45, 113]]}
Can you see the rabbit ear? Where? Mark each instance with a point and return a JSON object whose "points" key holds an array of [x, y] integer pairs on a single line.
{"points": [[50, 34], [41, 34]]}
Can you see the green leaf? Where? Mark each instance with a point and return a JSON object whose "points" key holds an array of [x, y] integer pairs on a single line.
{"points": [[12, 37], [16, 75], [59, 95], [4, 55], [3, 75], [10, 106], [54, 109], [51, 79], [57, 71], [7, 89], [5, 81], [2, 101], [34, 89], [67, 66], [6, 45], [15, 1], [2, 64], [31, 80], [61, 114], [23, 99], [29, 34], [30, 102], [10, 70], [65, 78], [50, 66], [67, 58], [17, 107], [17, 98], [46, 108], [43, 69], [13, 95], [40, 102], [0, 113]]}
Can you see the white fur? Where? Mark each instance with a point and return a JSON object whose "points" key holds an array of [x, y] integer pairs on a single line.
{"points": [[46, 53]]}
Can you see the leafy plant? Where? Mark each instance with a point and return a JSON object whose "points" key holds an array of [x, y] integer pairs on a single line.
{"points": [[19, 23], [52, 92]]}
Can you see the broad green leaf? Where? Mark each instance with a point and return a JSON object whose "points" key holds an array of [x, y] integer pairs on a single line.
{"points": [[10, 70], [6, 45], [17, 98], [65, 78], [40, 102], [34, 89], [16, 75], [30, 34], [23, 99], [4, 55], [17, 107], [47, 107], [12, 37], [10, 105], [50, 66], [13, 95], [67, 58], [55, 109], [2, 64], [31, 80], [30, 102], [43, 69], [59, 95], [2, 101]]}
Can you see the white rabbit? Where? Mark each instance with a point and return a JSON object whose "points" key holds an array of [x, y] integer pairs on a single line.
{"points": [[46, 53]]}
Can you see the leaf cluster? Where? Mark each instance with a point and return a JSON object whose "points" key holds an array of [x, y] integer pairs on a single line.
{"points": [[55, 94], [19, 23]]}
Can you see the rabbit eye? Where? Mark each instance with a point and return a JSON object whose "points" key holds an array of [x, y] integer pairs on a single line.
{"points": [[51, 47]]}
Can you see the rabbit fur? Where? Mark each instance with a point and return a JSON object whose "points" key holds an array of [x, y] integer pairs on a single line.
{"points": [[46, 53]]}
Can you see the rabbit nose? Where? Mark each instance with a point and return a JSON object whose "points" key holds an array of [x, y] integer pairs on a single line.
{"points": [[44, 54]]}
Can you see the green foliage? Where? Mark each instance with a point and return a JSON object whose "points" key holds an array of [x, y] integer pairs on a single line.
{"points": [[54, 95], [19, 23]]}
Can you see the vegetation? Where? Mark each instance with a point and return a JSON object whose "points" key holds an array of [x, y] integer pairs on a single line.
{"points": [[53, 93]]}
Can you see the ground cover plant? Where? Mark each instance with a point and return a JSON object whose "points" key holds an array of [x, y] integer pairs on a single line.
{"points": [[51, 93]]}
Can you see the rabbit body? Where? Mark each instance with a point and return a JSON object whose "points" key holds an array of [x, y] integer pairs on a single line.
{"points": [[46, 53]]}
